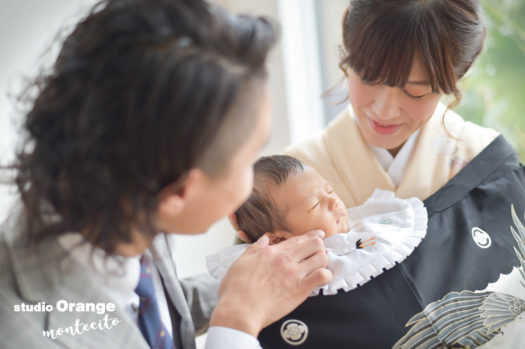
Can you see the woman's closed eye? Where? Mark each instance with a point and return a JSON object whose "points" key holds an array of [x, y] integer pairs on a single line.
{"points": [[415, 96]]}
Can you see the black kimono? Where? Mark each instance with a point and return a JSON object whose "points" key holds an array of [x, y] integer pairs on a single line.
{"points": [[468, 245]]}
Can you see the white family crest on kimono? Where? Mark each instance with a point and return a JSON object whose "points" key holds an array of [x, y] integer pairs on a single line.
{"points": [[396, 225]]}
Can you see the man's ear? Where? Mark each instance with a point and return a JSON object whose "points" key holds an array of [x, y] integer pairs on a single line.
{"points": [[175, 196], [171, 204]]}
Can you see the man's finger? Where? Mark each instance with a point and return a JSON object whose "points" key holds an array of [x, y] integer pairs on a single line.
{"points": [[303, 246], [316, 261], [317, 278], [262, 242]]}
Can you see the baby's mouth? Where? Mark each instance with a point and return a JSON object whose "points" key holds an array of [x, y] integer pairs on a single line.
{"points": [[340, 216]]}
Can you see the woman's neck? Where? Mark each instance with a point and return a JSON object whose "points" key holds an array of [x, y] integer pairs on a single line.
{"points": [[396, 150]]}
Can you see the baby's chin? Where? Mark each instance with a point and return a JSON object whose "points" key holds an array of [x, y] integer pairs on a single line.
{"points": [[343, 229], [343, 223]]}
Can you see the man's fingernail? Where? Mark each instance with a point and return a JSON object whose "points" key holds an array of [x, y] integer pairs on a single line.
{"points": [[320, 233]]}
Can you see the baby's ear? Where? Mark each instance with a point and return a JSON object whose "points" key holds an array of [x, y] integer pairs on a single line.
{"points": [[275, 237], [244, 237]]}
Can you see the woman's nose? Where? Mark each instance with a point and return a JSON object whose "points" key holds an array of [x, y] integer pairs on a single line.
{"points": [[386, 103]]}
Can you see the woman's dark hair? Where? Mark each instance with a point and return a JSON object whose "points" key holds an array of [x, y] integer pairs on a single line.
{"points": [[260, 214], [381, 39], [142, 91]]}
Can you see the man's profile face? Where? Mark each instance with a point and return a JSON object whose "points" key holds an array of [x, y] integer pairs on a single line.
{"points": [[210, 199]]}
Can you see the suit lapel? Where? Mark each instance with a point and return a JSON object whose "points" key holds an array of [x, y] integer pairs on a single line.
{"points": [[49, 274], [163, 259]]}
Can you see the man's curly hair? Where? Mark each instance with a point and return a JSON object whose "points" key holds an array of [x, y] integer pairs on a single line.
{"points": [[142, 91]]}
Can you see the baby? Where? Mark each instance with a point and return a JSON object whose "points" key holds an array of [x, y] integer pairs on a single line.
{"points": [[289, 199]]}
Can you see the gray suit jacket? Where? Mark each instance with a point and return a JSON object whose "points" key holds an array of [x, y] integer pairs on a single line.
{"points": [[48, 274]]}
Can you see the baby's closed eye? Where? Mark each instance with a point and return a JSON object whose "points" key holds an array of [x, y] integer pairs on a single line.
{"points": [[315, 205]]}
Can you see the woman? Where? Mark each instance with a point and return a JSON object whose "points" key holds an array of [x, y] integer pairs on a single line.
{"points": [[128, 136], [400, 57]]}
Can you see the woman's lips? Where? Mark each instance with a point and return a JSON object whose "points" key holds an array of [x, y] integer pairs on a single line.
{"points": [[383, 129]]}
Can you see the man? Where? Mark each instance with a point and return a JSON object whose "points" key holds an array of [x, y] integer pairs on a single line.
{"points": [[147, 124]]}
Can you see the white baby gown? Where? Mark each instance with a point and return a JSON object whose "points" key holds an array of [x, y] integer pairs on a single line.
{"points": [[397, 225]]}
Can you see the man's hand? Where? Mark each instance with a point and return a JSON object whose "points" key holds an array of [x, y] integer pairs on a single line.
{"points": [[268, 282]]}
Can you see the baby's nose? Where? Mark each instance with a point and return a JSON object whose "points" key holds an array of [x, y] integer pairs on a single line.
{"points": [[332, 204]]}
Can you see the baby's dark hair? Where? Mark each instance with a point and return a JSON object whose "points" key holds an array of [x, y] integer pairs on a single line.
{"points": [[260, 213]]}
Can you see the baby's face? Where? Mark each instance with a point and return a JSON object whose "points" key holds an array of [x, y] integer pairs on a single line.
{"points": [[311, 203]]}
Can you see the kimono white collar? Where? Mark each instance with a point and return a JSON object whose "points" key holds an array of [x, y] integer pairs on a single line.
{"points": [[394, 166], [396, 225]]}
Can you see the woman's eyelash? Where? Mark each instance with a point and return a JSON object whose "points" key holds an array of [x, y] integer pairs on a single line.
{"points": [[412, 96], [372, 83]]}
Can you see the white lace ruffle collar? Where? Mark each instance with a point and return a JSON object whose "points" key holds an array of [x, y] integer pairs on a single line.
{"points": [[397, 226]]}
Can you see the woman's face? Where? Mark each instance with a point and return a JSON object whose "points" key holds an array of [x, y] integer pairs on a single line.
{"points": [[388, 116]]}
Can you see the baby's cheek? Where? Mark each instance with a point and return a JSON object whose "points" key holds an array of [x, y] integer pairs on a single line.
{"points": [[331, 229], [345, 228]]}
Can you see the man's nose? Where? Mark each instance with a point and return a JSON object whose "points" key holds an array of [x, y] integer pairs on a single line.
{"points": [[386, 105]]}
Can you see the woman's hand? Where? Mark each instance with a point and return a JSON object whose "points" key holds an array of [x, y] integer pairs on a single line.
{"points": [[267, 282]]}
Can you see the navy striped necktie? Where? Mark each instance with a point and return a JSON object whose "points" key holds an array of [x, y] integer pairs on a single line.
{"points": [[150, 322]]}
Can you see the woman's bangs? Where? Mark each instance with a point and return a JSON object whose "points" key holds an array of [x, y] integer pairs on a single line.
{"points": [[383, 53]]}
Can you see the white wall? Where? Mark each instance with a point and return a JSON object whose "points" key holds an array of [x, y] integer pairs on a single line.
{"points": [[330, 16], [27, 30]]}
